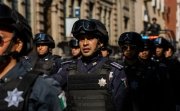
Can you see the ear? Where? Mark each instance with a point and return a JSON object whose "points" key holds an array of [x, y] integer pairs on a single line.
{"points": [[18, 45]]}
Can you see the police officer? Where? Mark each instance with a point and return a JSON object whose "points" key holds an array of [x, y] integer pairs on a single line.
{"points": [[92, 82], [161, 45], [75, 50], [146, 52], [169, 53], [155, 28], [106, 51], [173, 66], [46, 63], [20, 90], [141, 77], [166, 88]]}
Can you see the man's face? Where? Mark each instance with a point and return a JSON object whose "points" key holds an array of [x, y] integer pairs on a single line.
{"points": [[154, 21], [159, 51], [129, 51], [75, 51], [6, 37], [168, 53], [88, 45], [145, 54], [104, 53], [42, 49]]}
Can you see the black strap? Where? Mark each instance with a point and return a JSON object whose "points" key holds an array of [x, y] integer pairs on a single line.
{"points": [[105, 69], [72, 68], [26, 85]]}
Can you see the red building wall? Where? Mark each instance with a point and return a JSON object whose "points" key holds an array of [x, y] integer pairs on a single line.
{"points": [[170, 14]]}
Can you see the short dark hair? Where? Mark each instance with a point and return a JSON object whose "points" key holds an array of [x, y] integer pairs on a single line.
{"points": [[154, 18]]}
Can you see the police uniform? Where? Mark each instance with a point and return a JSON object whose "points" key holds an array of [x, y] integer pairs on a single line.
{"points": [[96, 84], [143, 76], [49, 64], [166, 89], [143, 81], [92, 82], [26, 61], [154, 28], [43, 97], [173, 68]]}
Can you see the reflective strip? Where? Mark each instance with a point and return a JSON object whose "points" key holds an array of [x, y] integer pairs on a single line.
{"points": [[116, 65]]}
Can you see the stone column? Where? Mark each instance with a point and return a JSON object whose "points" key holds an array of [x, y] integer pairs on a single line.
{"points": [[39, 17], [96, 10], [54, 22], [103, 14], [108, 19], [68, 8], [84, 9]]}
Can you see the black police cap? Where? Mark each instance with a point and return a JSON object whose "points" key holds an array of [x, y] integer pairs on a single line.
{"points": [[161, 42], [73, 43], [90, 27], [107, 48], [42, 38], [132, 38], [148, 44]]}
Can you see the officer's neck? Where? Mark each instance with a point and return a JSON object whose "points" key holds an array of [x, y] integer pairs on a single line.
{"points": [[44, 55], [8, 67], [131, 61], [91, 58]]}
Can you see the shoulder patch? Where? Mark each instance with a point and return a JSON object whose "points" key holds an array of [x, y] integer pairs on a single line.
{"points": [[115, 64]]}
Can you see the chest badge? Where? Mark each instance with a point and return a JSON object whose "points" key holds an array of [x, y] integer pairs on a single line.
{"points": [[102, 82], [14, 97]]}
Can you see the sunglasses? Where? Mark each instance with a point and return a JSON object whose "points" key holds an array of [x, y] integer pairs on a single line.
{"points": [[86, 25], [131, 47]]}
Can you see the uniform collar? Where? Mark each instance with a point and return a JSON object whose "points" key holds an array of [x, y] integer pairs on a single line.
{"points": [[131, 62], [92, 60], [17, 71], [45, 57]]}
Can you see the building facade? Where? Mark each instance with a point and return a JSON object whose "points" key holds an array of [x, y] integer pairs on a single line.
{"points": [[56, 17]]}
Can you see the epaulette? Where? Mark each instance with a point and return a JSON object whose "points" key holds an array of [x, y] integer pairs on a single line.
{"points": [[115, 64], [66, 62]]}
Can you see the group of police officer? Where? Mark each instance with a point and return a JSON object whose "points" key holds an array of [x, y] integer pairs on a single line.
{"points": [[40, 81], [151, 76]]}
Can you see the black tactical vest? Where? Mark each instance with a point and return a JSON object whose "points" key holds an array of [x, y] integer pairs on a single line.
{"points": [[45, 66], [24, 84], [85, 94]]}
